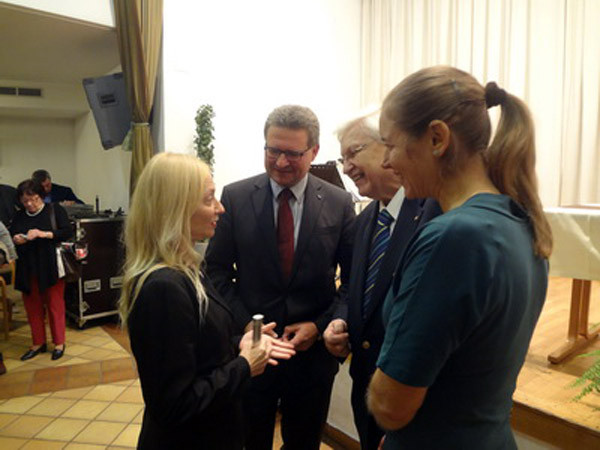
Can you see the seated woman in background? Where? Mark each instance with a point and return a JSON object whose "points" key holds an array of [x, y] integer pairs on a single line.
{"points": [[473, 281], [7, 255], [181, 335], [36, 270]]}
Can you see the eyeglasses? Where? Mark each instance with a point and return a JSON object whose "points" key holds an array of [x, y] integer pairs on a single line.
{"points": [[352, 152], [290, 155]]}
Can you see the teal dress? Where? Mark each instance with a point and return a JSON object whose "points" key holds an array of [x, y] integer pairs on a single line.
{"points": [[459, 322]]}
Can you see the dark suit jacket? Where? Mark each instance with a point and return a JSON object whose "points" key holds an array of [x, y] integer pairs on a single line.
{"points": [[191, 379], [243, 260], [61, 193], [9, 204], [366, 335]]}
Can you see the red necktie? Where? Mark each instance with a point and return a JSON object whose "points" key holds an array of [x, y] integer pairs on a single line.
{"points": [[285, 233]]}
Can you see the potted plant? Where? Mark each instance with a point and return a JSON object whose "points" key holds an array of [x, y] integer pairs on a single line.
{"points": [[590, 378], [203, 142]]}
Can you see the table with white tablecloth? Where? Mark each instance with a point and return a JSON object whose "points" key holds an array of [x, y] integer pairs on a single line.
{"points": [[576, 255]]}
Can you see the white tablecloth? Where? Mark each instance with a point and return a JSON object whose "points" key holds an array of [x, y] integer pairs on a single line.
{"points": [[576, 251]]}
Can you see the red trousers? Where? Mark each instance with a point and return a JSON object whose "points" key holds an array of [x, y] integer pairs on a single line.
{"points": [[53, 299]]}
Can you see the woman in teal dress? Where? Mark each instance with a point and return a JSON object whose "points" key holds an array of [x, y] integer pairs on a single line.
{"points": [[471, 285]]}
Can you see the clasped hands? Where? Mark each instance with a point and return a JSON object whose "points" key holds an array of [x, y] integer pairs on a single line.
{"points": [[32, 234]]}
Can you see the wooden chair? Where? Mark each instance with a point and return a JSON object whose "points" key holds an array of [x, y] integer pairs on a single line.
{"points": [[6, 292]]}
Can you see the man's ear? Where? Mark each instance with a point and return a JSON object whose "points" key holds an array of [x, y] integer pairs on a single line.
{"points": [[439, 133], [315, 151]]}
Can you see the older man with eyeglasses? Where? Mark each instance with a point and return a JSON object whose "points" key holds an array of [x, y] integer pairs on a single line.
{"points": [[383, 230], [275, 252]]}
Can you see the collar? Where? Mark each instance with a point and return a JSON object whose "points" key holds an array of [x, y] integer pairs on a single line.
{"points": [[395, 203], [35, 213], [297, 189]]}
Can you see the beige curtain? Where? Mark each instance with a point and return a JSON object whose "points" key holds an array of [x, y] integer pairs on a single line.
{"points": [[545, 51], [139, 32]]}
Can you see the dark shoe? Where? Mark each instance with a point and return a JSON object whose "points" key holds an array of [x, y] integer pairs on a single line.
{"points": [[2, 366], [31, 353], [58, 353]]}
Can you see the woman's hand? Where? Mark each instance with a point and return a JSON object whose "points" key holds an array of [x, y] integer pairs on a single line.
{"points": [[34, 233], [256, 355], [277, 349], [19, 239]]}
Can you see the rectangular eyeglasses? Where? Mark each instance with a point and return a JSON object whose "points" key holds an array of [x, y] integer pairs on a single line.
{"points": [[290, 155]]}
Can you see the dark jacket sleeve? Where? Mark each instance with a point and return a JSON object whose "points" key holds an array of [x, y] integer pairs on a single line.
{"points": [[344, 260], [164, 328], [221, 256], [70, 195], [64, 230]]}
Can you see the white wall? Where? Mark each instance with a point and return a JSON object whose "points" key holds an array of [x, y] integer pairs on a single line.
{"points": [[246, 58], [100, 172], [71, 151], [27, 144], [340, 409], [57, 132], [58, 99], [97, 11]]}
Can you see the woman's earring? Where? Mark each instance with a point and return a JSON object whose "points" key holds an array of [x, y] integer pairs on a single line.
{"points": [[436, 152]]}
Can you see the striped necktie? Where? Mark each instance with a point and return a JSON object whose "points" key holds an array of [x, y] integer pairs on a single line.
{"points": [[379, 244]]}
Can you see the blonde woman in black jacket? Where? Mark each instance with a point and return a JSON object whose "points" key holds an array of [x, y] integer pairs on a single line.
{"points": [[192, 369]]}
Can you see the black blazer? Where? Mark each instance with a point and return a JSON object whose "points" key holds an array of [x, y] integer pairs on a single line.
{"points": [[191, 378], [60, 193], [9, 204], [366, 335], [243, 260]]}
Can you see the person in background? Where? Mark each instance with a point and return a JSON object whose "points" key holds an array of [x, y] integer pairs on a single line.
{"points": [[54, 193], [383, 229], [472, 282], [181, 331], [6, 246], [36, 270], [275, 252], [9, 204], [7, 255]]}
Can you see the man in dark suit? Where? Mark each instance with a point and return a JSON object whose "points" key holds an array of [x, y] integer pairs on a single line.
{"points": [[358, 327], [275, 252], [9, 203], [55, 193]]}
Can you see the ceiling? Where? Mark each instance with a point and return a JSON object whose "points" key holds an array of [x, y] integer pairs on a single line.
{"points": [[38, 46]]}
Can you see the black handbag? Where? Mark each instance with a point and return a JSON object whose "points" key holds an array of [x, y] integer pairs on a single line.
{"points": [[69, 262]]}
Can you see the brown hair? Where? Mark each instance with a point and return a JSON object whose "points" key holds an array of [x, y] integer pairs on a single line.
{"points": [[454, 96]]}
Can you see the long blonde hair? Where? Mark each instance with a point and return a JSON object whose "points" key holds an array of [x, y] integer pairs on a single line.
{"points": [[457, 98], [157, 231]]}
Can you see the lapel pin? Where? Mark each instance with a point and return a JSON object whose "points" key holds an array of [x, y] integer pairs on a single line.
{"points": [[416, 218], [319, 196]]}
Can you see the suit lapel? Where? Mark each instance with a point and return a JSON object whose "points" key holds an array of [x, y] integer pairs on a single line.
{"points": [[406, 224], [262, 203], [313, 202], [213, 294]]}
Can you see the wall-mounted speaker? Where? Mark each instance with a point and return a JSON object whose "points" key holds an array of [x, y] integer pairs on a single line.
{"points": [[107, 97]]}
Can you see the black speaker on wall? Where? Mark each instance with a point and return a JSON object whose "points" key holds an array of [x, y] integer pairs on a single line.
{"points": [[107, 97]]}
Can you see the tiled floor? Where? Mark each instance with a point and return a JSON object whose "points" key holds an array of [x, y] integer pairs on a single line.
{"points": [[88, 399], [106, 416]]}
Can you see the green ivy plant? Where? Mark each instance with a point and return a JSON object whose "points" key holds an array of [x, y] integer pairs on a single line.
{"points": [[590, 378], [203, 142]]}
